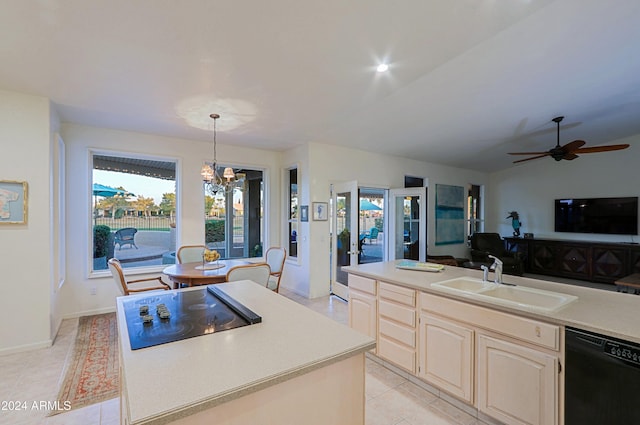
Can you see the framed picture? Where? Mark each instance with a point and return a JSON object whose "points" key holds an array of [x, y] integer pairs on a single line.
{"points": [[13, 202], [304, 213], [320, 211], [449, 214]]}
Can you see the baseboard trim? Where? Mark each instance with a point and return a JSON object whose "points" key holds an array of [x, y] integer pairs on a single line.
{"points": [[26, 347]]}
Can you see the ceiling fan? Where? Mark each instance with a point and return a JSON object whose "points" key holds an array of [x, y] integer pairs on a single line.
{"points": [[569, 151]]}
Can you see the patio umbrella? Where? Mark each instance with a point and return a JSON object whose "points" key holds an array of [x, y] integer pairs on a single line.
{"points": [[105, 192], [367, 205], [108, 191]]}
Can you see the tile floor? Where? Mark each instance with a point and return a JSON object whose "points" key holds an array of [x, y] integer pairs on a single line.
{"points": [[34, 376]]}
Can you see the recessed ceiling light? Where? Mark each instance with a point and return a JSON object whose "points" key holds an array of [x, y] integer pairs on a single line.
{"points": [[383, 67]]}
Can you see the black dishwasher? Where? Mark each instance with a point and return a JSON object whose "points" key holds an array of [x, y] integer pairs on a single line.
{"points": [[602, 379]]}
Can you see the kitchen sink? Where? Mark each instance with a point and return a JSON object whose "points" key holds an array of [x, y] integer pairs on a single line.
{"points": [[511, 295], [533, 298], [464, 284]]}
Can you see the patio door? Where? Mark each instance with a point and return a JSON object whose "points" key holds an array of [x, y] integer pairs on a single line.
{"points": [[344, 237], [408, 224]]}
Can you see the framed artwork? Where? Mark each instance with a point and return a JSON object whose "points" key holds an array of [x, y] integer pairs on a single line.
{"points": [[320, 212], [304, 213], [449, 214], [13, 202]]}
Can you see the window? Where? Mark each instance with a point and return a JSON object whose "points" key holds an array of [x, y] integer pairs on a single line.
{"points": [[234, 219], [292, 218], [475, 223], [133, 207]]}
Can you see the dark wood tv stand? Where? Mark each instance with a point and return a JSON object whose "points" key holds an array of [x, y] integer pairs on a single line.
{"points": [[603, 262]]}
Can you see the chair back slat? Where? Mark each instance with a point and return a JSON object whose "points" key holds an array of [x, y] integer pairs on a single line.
{"points": [[190, 253], [258, 272]]}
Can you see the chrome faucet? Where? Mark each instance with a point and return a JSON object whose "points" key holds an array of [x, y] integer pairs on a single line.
{"points": [[497, 269], [485, 273]]}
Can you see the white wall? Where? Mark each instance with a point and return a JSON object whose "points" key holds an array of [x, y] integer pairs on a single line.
{"points": [[325, 164], [532, 187], [80, 140], [25, 260]]}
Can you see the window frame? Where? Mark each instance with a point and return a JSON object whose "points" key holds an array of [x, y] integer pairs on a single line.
{"points": [[289, 220], [264, 233], [91, 153]]}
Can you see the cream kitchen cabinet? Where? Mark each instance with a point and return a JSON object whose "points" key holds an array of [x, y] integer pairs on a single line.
{"points": [[397, 325], [363, 311], [515, 369], [516, 384], [446, 355]]}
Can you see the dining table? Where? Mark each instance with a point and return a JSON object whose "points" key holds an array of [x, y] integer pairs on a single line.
{"points": [[197, 273]]}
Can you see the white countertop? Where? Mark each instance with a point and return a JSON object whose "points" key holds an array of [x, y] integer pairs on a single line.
{"points": [[607, 312], [173, 380]]}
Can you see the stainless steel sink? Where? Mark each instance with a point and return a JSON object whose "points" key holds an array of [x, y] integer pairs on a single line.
{"points": [[519, 296]]}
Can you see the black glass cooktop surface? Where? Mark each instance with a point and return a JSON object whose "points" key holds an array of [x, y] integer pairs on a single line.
{"points": [[175, 315]]}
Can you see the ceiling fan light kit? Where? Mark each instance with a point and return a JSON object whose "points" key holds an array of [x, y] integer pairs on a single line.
{"points": [[569, 151]]}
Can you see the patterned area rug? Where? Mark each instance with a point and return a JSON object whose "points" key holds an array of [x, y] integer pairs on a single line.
{"points": [[92, 373]]}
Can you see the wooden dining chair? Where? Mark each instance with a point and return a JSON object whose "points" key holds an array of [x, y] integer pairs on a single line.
{"points": [[257, 272], [275, 257], [190, 253], [132, 286]]}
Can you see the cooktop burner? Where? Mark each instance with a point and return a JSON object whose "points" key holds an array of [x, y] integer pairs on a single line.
{"points": [[176, 315]]}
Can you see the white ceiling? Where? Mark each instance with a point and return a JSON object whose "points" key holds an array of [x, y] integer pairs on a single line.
{"points": [[469, 80]]}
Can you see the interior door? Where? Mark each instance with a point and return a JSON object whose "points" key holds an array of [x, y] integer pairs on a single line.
{"points": [[408, 223], [344, 238]]}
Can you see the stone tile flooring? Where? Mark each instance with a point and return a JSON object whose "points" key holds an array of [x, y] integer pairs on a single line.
{"points": [[34, 376]]}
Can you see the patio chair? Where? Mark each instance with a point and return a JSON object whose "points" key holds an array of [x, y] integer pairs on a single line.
{"points": [[373, 234], [125, 236], [275, 257], [257, 272], [132, 286]]}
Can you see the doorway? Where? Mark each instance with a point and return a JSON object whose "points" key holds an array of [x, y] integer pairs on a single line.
{"points": [[357, 218]]}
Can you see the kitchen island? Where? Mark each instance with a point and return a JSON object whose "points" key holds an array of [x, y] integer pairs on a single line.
{"points": [[296, 366]]}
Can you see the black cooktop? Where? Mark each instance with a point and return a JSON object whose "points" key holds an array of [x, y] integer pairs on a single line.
{"points": [[175, 315]]}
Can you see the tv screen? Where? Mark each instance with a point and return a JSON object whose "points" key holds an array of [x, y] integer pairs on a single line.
{"points": [[614, 216]]}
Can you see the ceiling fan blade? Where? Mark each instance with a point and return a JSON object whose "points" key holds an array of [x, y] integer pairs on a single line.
{"points": [[533, 157], [605, 148], [528, 153], [572, 146], [570, 156]]}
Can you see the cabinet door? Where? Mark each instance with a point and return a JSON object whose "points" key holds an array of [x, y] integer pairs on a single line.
{"points": [[446, 356], [543, 257], [363, 313], [517, 385], [574, 261], [609, 263]]}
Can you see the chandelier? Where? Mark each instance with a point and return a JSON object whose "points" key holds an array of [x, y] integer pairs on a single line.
{"points": [[212, 182]]}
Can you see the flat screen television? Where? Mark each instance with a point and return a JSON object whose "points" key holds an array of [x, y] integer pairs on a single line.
{"points": [[613, 216]]}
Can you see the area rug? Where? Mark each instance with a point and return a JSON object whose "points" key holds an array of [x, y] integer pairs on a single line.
{"points": [[92, 374]]}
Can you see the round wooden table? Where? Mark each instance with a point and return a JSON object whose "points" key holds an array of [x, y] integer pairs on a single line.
{"points": [[188, 274]]}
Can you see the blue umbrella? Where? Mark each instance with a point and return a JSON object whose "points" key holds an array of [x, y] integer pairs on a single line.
{"points": [[105, 192], [108, 191], [366, 205]]}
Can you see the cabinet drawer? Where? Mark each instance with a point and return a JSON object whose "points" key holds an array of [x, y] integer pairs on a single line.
{"points": [[539, 333], [398, 294], [397, 312], [363, 284], [397, 354], [398, 332]]}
